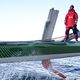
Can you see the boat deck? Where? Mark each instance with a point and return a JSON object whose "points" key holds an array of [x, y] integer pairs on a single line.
{"points": [[16, 49]]}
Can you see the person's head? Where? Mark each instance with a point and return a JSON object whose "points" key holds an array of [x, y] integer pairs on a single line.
{"points": [[72, 7]]}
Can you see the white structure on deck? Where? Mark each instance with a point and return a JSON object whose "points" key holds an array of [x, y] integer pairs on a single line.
{"points": [[50, 24]]}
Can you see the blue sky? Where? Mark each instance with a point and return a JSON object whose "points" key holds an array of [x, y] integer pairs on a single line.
{"points": [[25, 19]]}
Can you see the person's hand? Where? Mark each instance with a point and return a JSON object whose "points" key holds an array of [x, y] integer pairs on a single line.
{"points": [[65, 23], [75, 22]]}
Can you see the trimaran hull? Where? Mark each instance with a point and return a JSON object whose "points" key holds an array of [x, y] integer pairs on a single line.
{"points": [[37, 50]]}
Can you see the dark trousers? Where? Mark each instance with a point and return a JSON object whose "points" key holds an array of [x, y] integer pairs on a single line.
{"points": [[75, 32]]}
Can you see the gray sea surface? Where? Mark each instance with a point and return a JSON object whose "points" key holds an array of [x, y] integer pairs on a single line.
{"points": [[33, 70]]}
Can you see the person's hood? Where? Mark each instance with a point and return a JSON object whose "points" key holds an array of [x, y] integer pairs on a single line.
{"points": [[71, 10]]}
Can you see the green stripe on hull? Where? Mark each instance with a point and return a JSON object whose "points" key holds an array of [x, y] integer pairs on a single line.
{"points": [[38, 48]]}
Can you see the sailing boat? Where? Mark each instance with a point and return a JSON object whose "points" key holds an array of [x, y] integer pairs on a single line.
{"points": [[44, 50]]}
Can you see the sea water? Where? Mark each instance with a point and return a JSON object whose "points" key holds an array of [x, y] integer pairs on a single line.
{"points": [[33, 70]]}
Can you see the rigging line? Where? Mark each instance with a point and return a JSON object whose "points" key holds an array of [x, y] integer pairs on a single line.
{"points": [[58, 37]]}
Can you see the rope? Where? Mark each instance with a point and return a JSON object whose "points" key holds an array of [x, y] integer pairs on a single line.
{"points": [[58, 37]]}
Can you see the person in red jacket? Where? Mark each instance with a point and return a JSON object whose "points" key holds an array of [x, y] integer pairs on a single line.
{"points": [[70, 21]]}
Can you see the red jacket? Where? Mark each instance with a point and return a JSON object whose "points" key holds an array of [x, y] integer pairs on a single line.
{"points": [[71, 18]]}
